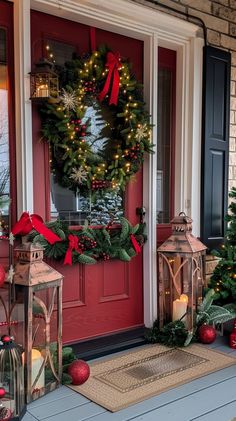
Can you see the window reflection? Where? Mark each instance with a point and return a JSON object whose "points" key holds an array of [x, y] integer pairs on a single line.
{"points": [[4, 134]]}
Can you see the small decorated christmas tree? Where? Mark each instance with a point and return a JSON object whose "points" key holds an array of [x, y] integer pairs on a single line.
{"points": [[223, 279]]}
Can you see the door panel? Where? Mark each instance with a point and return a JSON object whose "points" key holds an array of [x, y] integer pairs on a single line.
{"points": [[106, 297]]}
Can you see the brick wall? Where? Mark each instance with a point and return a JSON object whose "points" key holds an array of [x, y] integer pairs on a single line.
{"points": [[219, 17]]}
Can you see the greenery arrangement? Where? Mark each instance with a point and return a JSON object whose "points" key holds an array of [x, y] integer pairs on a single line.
{"points": [[223, 279], [88, 245], [175, 334], [98, 129]]}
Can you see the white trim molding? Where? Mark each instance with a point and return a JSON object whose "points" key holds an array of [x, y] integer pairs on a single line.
{"points": [[24, 161], [155, 28]]}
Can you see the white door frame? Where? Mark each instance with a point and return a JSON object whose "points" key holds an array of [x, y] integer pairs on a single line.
{"points": [[155, 29]]}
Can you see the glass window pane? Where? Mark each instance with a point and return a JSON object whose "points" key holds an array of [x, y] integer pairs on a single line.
{"points": [[164, 146], [98, 207], [4, 133]]}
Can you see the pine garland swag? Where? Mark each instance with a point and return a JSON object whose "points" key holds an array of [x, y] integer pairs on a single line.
{"points": [[67, 128], [97, 244]]}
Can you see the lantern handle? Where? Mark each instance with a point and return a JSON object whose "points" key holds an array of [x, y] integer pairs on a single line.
{"points": [[182, 213]]}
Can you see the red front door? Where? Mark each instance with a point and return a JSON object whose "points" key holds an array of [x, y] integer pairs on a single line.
{"points": [[107, 297]]}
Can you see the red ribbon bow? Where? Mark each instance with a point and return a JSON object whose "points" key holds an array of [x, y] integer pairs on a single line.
{"points": [[29, 222], [136, 245], [113, 64], [73, 245]]}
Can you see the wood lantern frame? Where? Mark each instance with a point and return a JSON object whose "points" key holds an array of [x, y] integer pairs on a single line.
{"points": [[181, 274], [38, 301]]}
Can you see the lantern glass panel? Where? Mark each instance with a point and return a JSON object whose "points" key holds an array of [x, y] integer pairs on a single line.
{"points": [[44, 85], [44, 342], [42, 357], [182, 287], [12, 380]]}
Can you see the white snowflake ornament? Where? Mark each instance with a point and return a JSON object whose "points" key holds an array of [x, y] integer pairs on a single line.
{"points": [[78, 175], [141, 132], [69, 100]]}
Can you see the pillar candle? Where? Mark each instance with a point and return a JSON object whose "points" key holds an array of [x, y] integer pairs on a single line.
{"points": [[37, 361], [180, 308]]}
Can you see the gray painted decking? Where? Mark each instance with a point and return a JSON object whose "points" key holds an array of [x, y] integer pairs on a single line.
{"points": [[210, 398]]}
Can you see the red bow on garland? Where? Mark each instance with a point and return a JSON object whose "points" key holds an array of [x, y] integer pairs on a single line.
{"points": [[73, 245], [29, 222], [113, 64], [135, 244]]}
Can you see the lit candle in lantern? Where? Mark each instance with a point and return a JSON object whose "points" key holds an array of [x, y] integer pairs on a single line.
{"points": [[37, 361], [42, 91], [180, 308]]}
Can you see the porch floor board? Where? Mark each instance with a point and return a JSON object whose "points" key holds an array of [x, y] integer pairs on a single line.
{"points": [[209, 398]]}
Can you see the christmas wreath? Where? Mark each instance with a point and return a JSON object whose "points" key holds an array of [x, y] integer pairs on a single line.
{"points": [[98, 129], [91, 245]]}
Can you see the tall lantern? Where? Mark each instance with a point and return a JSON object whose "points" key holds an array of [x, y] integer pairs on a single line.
{"points": [[44, 82], [181, 273], [38, 310], [12, 400]]}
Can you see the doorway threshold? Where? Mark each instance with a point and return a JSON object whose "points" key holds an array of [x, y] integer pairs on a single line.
{"points": [[105, 345]]}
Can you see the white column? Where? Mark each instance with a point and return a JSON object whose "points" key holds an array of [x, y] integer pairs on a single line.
{"points": [[23, 113], [149, 185]]}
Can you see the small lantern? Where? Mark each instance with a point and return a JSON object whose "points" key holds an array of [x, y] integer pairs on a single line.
{"points": [[38, 309], [12, 398], [181, 274], [43, 82]]}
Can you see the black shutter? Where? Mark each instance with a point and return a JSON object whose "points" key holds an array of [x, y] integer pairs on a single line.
{"points": [[215, 145]]}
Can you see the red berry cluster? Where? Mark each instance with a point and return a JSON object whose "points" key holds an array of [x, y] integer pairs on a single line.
{"points": [[80, 129], [90, 87], [12, 322], [100, 184], [88, 242], [134, 151], [105, 256]]}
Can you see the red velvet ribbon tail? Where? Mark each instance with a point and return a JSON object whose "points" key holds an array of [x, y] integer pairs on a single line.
{"points": [[102, 94], [49, 235], [115, 88], [68, 257], [136, 245]]}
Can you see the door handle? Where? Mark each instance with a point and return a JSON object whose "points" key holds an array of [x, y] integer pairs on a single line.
{"points": [[141, 212]]}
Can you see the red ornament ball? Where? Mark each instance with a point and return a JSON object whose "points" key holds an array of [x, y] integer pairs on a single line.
{"points": [[206, 334], [2, 392], [2, 275], [6, 339], [79, 371]]}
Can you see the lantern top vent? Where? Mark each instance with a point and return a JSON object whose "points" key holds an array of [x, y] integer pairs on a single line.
{"points": [[182, 240], [28, 252], [30, 269]]}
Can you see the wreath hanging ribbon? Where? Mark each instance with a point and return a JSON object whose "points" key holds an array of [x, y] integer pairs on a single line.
{"points": [[73, 245], [113, 65], [29, 222]]}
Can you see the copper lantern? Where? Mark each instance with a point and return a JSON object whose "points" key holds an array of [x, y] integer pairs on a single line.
{"points": [[38, 310], [181, 274], [44, 82]]}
